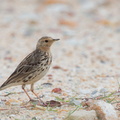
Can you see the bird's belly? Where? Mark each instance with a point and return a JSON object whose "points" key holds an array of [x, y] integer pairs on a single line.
{"points": [[37, 75]]}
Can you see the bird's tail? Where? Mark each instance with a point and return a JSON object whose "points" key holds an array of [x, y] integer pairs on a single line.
{"points": [[2, 87], [5, 85]]}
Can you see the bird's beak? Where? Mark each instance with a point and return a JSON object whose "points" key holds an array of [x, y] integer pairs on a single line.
{"points": [[56, 39]]}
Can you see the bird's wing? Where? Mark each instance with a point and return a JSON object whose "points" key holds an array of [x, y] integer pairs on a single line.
{"points": [[26, 67]]}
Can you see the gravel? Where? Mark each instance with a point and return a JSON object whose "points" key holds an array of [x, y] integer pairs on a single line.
{"points": [[88, 54]]}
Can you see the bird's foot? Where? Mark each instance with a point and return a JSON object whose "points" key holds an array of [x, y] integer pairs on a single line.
{"points": [[42, 103], [32, 100]]}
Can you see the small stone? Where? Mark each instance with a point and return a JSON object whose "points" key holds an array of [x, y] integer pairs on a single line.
{"points": [[83, 115], [75, 102], [46, 84], [84, 91], [105, 111], [12, 102], [57, 90], [34, 118], [12, 115], [53, 103], [94, 92], [103, 90]]}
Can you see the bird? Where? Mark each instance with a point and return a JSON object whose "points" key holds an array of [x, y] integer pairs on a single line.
{"points": [[33, 67]]}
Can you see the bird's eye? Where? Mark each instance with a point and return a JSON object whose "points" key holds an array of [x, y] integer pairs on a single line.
{"points": [[46, 41]]}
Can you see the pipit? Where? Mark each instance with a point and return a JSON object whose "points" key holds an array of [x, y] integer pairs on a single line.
{"points": [[33, 67]]}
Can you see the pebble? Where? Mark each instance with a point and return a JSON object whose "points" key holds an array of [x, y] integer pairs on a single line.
{"points": [[103, 90], [94, 92], [46, 84], [75, 102]]}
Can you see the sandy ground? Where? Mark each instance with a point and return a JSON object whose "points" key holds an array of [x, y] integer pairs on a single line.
{"points": [[87, 56]]}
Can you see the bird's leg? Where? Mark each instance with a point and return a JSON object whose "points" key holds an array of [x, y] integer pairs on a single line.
{"points": [[23, 87], [32, 90]]}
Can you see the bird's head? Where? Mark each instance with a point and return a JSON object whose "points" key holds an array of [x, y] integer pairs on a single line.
{"points": [[45, 43]]}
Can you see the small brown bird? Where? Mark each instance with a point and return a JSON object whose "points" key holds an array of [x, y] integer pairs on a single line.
{"points": [[33, 67]]}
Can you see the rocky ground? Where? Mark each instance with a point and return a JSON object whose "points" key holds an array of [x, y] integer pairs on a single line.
{"points": [[86, 61]]}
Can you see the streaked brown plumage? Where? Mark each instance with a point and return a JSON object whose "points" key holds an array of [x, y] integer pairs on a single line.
{"points": [[33, 67]]}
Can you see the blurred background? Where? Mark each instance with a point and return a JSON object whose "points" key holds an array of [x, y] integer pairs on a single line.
{"points": [[86, 59]]}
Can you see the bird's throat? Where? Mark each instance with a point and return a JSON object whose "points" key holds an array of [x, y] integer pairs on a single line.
{"points": [[45, 48]]}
